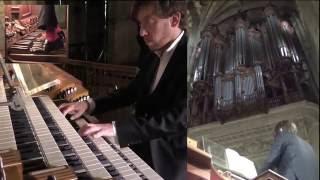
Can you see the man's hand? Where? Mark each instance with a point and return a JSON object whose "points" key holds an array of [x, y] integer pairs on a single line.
{"points": [[75, 109], [97, 130]]}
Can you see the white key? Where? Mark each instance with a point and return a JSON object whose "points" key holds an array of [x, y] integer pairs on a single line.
{"points": [[90, 161]]}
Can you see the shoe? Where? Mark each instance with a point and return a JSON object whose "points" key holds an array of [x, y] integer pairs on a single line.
{"points": [[55, 45], [62, 35]]}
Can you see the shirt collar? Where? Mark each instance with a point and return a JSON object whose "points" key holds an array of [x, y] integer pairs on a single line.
{"points": [[172, 46]]}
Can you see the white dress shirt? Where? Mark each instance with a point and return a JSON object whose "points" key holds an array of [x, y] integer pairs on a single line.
{"points": [[164, 60]]}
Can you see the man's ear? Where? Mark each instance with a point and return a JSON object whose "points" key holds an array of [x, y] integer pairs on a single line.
{"points": [[175, 19]]}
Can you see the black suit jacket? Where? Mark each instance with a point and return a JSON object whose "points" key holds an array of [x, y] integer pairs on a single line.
{"points": [[158, 130], [293, 158]]}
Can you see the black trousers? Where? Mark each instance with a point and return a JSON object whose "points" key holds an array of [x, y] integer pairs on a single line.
{"points": [[47, 18]]}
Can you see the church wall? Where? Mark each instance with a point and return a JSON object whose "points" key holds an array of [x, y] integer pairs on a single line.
{"points": [[309, 14]]}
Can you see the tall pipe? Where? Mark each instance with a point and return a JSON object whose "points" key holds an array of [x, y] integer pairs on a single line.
{"points": [[240, 49]]}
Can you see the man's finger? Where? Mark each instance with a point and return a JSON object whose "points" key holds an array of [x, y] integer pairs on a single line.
{"points": [[62, 106], [98, 134], [88, 129], [67, 110], [76, 115], [105, 130]]}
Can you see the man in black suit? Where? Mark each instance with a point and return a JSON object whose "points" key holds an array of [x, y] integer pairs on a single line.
{"points": [[157, 131], [293, 157]]}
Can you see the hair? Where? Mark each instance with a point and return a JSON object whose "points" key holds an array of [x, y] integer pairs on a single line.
{"points": [[286, 126], [163, 8]]}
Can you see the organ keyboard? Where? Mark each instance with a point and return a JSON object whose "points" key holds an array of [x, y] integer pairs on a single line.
{"points": [[48, 144], [7, 140]]}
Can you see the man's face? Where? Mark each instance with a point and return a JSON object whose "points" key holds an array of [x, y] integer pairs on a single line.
{"points": [[154, 30]]}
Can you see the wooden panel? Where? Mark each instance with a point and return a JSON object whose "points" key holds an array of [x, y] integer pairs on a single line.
{"points": [[60, 173], [12, 164]]}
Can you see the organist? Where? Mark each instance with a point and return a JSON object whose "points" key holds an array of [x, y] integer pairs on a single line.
{"points": [[293, 157], [157, 131]]}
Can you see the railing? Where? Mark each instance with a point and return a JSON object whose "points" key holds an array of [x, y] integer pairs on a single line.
{"points": [[276, 101], [228, 110]]}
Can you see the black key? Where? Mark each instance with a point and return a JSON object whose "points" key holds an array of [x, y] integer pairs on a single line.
{"points": [[114, 173], [24, 139], [58, 137], [86, 139], [83, 176], [75, 163], [30, 155], [67, 152], [72, 158], [101, 158], [62, 142], [111, 168], [24, 133], [94, 149], [29, 166]]}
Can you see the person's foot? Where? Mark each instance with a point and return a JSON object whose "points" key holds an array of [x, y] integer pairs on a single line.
{"points": [[54, 45], [62, 35]]}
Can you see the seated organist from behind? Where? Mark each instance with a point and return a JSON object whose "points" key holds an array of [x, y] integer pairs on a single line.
{"points": [[290, 155], [157, 130]]}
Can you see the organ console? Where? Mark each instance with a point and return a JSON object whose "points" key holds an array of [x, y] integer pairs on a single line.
{"points": [[38, 142]]}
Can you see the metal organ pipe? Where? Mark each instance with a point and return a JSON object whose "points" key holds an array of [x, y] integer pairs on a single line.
{"points": [[272, 34], [243, 46], [197, 63], [267, 47], [217, 92], [244, 88], [276, 34], [259, 79], [240, 49], [200, 60], [216, 59], [237, 86], [206, 52], [247, 57], [247, 87], [288, 31], [218, 45], [193, 61], [252, 46], [251, 85], [256, 47], [283, 46], [232, 48], [229, 56], [227, 92]]}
